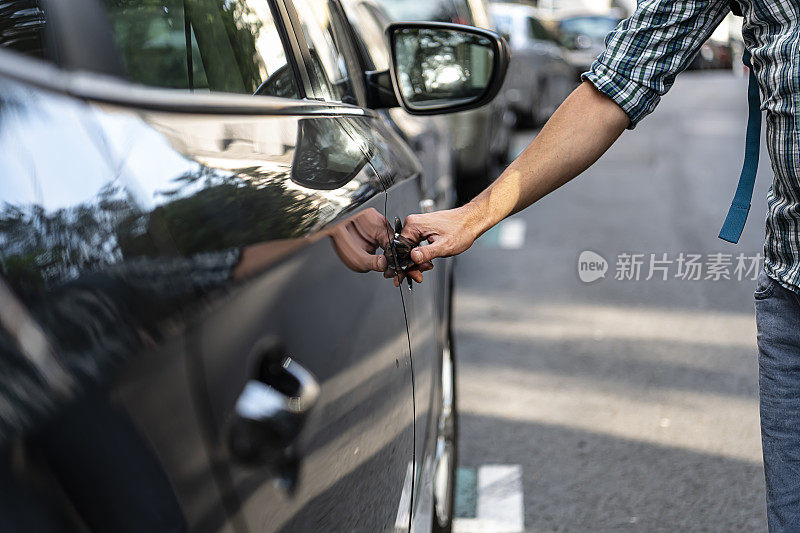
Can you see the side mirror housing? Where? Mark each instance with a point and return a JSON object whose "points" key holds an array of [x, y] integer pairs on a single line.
{"points": [[440, 68]]}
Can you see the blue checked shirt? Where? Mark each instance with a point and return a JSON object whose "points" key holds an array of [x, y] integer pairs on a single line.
{"points": [[645, 53]]}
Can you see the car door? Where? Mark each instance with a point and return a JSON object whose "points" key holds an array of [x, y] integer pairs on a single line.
{"points": [[122, 447], [424, 305], [339, 460], [429, 137], [303, 355]]}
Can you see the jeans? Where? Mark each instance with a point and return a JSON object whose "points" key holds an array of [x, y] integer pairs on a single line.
{"points": [[778, 321]]}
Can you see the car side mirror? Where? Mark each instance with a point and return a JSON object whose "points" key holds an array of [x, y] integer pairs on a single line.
{"points": [[440, 68]]}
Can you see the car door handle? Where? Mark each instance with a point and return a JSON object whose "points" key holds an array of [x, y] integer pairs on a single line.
{"points": [[270, 413]]}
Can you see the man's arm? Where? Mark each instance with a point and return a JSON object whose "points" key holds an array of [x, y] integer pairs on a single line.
{"points": [[578, 133]]}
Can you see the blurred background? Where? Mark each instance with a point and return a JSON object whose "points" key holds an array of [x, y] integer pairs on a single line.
{"points": [[621, 404]]}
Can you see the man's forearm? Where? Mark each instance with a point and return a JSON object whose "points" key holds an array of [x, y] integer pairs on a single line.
{"points": [[578, 133]]}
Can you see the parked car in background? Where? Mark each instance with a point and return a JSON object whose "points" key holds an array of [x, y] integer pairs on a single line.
{"points": [[584, 38], [195, 195], [539, 78], [483, 136]]}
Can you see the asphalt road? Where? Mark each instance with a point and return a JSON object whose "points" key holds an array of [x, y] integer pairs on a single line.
{"points": [[629, 404]]}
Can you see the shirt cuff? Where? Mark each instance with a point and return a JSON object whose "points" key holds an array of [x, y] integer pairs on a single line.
{"points": [[635, 99]]}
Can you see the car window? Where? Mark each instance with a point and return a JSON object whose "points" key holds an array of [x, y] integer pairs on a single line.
{"points": [[202, 45], [332, 58], [21, 27]]}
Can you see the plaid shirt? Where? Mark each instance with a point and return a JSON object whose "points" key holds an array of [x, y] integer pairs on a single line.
{"points": [[645, 53]]}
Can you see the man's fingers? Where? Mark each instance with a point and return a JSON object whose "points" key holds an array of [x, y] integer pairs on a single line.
{"points": [[426, 254], [416, 275], [379, 263], [424, 267], [412, 228], [416, 271]]}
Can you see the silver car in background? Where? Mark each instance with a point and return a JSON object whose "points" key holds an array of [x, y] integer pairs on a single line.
{"points": [[584, 37], [539, 77], [482, 137]]}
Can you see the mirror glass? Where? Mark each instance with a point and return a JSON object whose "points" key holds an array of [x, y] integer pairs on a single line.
{"points": [[438, 67]]}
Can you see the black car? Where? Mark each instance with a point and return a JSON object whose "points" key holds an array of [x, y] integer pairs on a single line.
{"points": [[196, 195]]}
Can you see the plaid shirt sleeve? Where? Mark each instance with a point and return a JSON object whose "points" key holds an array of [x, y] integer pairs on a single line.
{"points": [[647, 51]]}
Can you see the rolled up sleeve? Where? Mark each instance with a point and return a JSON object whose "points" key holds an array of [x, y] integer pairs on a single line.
{"points": [[647, 51]]}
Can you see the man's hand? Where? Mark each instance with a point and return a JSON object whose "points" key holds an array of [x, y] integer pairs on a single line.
{"points": [[448, 232]]}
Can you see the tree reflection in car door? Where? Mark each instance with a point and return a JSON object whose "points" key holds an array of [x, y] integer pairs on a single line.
{"points": [[299, 293]]}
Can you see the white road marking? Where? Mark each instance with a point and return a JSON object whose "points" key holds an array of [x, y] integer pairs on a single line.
{"points": [[500, 507], [511, 235], [404, 509]]}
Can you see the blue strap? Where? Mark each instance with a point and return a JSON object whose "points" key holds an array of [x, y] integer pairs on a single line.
{"points": [[740, 207]]}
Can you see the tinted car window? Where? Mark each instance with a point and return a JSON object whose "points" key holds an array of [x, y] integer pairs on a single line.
{"points": [[212, 45], [22, 26], [328, 50]]}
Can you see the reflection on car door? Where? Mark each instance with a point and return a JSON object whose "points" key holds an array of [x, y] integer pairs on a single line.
{"points": [[84, 252], [296, 200]]}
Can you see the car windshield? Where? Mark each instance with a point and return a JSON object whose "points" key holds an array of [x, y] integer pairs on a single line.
{"points": [[456, 11], [594, 27]]}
